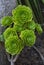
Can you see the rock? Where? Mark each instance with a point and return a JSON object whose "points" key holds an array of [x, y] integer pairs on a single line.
{"points": [[6, 7], [3, 57]]}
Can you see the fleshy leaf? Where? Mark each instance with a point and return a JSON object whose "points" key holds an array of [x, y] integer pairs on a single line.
{"points": [[13, 45], [18, 28], [31, 25], [22, 14], [39, 28], [6, 21], [1, 38], [9, 31], [28, 37]]}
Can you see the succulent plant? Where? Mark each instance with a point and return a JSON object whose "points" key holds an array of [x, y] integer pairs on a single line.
{"points": [[13, 45], [38, 28], [31, 25], [6, 21], [28, 37], [18, 28], [22, 18], [8, 32], [22, 14], [20, 31]]}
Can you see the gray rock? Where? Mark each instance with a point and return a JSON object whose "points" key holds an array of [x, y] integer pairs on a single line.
{"points": [[3, 56], [6, 7]]}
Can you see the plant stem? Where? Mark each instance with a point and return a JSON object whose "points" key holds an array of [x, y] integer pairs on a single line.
{"points": [[11, 59], [39, 53], [14, 60], [27, 3], [12, 63], [19, 2], [1, 38]]}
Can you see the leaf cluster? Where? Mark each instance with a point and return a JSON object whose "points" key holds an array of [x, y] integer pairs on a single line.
{"points": [[23, 30]]}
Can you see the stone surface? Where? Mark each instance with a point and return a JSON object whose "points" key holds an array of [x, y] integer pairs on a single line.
{"points": [[3, 57], [6, 7]]}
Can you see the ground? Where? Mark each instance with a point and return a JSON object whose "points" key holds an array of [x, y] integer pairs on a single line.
{"points": [[28, 56]]}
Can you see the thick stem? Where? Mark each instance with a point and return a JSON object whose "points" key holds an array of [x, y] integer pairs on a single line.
{"points": [[12, 63], [11, 59], [39, 53], [14, 60]]}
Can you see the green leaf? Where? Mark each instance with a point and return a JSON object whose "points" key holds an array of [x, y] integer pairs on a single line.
{"points": [[9, 31], [36, 2], [27, 3], [28, 37], [1, 38], [43, 1], [31, 25], [18, 28], [13, 45], [6, 21], [22, 14], [39, 28]]}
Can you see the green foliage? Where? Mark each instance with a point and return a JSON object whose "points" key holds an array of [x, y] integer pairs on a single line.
{"points": [[22, 31], [22, 14], [28, 37], [39, 28], [9, 31], [6, 21], [13, 45], [18, 28], [1, 38], [43, 1], [31, 25]]}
